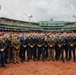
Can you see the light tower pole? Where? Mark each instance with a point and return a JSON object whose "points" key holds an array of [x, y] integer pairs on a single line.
{"points": [[0, 7], [0, 10], [74, 16], [30, 16]]}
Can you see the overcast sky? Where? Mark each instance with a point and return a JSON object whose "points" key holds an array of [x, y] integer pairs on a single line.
{"points": [[42, 10]]}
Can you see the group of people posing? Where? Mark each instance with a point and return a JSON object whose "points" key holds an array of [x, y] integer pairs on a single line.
{"points": [[16, 47]]}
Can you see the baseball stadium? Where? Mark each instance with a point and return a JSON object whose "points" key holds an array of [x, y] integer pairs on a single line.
{"points": [[12, 25], [55, 59], [37, 37]]}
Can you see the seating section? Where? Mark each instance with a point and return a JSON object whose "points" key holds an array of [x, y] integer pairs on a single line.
{"points": [[42, 25]]}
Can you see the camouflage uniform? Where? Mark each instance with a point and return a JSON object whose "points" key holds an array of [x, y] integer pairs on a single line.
{"points": [[51, 48], [16, 48], [9, 49]]}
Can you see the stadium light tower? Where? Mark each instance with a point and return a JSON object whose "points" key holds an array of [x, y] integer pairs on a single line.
{"points": [[30, 16], [74, 16], [0, 7]]}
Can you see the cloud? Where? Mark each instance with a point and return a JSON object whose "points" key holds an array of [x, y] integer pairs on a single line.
{"points": [[40, 9]]}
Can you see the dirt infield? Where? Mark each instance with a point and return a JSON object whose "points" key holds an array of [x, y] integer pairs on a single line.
{"points": [[40, 68]]}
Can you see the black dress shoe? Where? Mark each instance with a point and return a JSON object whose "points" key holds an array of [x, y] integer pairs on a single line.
{"points": [[74, 60], [57, 59], [27, 60], [43, 60], [38, 59], [68, 59], [63, 60], [22, 61], [3, 66], [53, 59], [14, 62], [17, 62]]}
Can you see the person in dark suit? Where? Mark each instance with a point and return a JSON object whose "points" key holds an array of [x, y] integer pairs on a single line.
{"points": [[28, 48], [5, 37], [56, 46], [60, 45], [66, 46], [2, 51], [72, 42], [23, 47], [35, 45], [45, 46], [41, 47]]}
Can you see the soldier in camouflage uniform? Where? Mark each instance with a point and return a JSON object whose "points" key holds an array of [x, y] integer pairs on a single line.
{"points": [[16, 48], [51, 47], [9, 48]]}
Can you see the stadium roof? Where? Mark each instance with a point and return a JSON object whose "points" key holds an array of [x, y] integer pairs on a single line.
{"points": [[54, 23], [18, 20], [42, 23]]}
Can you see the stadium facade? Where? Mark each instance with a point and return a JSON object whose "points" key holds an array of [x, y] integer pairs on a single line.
{"points": [[12, 25]]}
